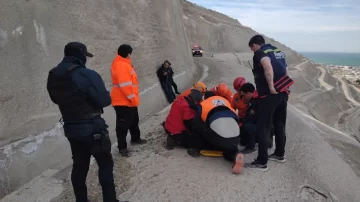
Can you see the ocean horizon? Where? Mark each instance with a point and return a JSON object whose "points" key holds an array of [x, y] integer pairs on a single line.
{"points": [[331, 58]]}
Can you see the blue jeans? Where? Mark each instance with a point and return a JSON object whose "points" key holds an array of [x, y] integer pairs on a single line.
{"points": [[168, 90]]}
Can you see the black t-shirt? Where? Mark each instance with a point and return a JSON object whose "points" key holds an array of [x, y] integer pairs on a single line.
{"points": [[258, 55]]}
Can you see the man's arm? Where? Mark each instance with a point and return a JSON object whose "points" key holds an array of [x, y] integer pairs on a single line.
{"points": [[268, 71], [160, 74], [91, 83], [188, 116]]}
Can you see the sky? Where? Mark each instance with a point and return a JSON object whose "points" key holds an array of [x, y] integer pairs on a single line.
{"points": [[303, 25]]}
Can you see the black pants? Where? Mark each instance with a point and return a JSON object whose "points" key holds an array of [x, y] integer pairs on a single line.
{"points": [[271, 110], [184, 138], [250, 137], [127, 119], [175, 86], [211, 140], [81, 153], [169, 93]]}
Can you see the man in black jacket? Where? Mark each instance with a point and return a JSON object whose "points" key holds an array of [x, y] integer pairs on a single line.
{"points": [[81, 96], [165, 75]]}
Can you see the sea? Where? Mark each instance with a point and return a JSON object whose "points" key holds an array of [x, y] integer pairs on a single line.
{"points": [[344, 59]]}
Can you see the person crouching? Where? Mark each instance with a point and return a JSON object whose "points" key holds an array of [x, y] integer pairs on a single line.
{"points": [[217, 125], [178, 122]]}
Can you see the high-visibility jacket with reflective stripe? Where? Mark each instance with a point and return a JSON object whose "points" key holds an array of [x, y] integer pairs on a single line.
{"points": [[125, 89]]}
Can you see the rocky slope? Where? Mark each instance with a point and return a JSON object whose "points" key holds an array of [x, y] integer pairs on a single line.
{"points": [[32, 37]]}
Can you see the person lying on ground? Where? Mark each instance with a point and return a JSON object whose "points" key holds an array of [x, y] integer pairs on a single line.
{"points": [[178, 122], [165, 75], [223, 90], [198, 85], [216, 123]]}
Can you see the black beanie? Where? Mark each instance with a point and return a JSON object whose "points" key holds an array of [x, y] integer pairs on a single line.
{"points": [[195, 95], [209, 94]]}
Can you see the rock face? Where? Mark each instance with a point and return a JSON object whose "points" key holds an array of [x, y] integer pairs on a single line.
{"points": [[32, 37]]}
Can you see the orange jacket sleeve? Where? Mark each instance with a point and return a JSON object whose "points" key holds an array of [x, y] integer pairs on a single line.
{"points": [[233, 105]]}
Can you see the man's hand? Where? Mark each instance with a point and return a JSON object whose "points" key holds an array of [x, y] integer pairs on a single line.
{"points": [[273, 91]]}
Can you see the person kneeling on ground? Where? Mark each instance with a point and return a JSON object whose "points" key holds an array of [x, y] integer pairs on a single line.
{"points": [[217, 125], [198, 85], [222, 90], [247, 109], [178, 122]]}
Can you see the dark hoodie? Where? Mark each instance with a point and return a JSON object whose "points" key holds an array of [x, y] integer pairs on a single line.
{"points": [[168, 78], [88, 84]]}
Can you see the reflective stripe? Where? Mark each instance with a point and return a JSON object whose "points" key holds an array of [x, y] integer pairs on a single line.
{"points": [[128, 83], [131, 96], [271, 50], [132, 71], [134, 85]]}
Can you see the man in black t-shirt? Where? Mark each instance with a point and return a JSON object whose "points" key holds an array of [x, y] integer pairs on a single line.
{"points": [[272, 83]]}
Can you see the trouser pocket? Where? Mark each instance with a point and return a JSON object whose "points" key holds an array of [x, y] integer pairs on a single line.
{"points": [[101, 144]]}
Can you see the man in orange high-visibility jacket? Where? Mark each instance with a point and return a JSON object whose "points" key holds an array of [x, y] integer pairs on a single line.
{"points": [[125, 99]]}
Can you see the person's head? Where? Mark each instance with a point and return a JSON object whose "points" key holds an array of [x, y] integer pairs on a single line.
{"points": [[222, 89], [238, 82], [247, 91], [78, 50], [200, 86], [209, 94], [195, 95], [166, 63], [256, 42], [125, 51]]}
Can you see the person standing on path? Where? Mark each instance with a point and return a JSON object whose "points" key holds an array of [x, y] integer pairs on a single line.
{"points": [[125, 99], [272, 84], [81, 96], [165, 75], [174, 85]]}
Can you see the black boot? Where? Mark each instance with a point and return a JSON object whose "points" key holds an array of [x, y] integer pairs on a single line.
{"points": [[193, 152], [170, 143]]}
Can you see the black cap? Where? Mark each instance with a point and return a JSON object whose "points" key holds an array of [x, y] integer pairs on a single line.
{"points": [[195, 95], [209, 94], [72, 47]]}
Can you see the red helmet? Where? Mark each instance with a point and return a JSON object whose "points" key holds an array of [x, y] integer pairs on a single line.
{"points": [[213, 89], [238, 82], [222, 89]]}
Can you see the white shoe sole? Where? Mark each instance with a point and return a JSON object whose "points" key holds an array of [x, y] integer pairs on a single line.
{"points": [[261, 169], [279, 161]]}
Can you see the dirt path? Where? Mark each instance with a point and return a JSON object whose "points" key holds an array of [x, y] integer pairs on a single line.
{"points": [[154, 174]]}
